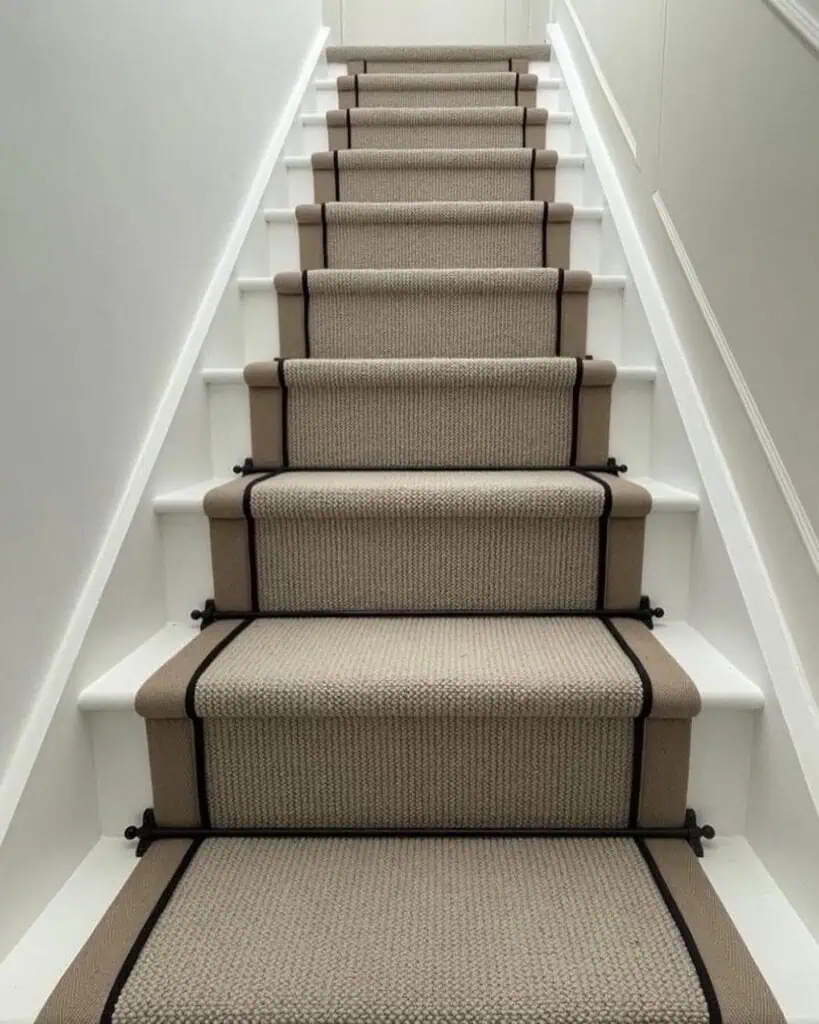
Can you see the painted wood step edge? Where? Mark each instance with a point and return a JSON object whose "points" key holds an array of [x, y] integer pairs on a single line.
{"points": [[721, 684], [287, 215], [327, 84], [555, 117], [189, 499], [302, 163], [232, 376], [600, 282], [779, 941]]}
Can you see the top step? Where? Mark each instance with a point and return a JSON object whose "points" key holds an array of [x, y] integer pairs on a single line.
{"points": [[431, 59]]}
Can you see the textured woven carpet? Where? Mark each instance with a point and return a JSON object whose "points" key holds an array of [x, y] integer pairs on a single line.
{"points": [[503, 89], [362, 236], [436, 128], [430, 59], [426, 618], [490, 722], [431, 413], [421, 314], [424, 175], [440, 931]]}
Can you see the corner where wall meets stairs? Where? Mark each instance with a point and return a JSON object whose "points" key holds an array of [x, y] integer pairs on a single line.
{"points": [[427, 756]]}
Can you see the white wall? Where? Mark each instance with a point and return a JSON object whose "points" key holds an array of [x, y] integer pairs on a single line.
{"points": [[708, 112], [131, 133], [429, 22]]}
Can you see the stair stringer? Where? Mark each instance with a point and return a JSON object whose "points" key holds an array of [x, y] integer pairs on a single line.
{"points": [[731, 597]]}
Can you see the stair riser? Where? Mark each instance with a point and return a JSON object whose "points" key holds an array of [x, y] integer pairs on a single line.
{"points": [[585, 247], [429, 426], [630, 429], [559, 137], [721, 747], [188, 580], [571, 185], [261, 325]]}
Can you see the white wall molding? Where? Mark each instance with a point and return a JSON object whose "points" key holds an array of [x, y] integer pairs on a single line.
{"points": [[602, 81], [766, 441], [799, 19], [787, 672], [34, 730]]}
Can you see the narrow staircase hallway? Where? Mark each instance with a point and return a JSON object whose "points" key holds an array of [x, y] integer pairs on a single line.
{"points": [[426, 760]]}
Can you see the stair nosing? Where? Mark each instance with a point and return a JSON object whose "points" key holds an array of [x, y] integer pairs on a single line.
{"points": [[233, 376], [287, 214], [328, 84], [320, 118], [116, 689], [302, 163], [600, 282]]}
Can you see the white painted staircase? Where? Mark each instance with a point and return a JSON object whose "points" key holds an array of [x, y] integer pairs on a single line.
{"points": [[211, 434]]}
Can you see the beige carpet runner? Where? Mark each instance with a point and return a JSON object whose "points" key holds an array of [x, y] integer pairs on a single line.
{"points": [[426, 761], [361, 236]]}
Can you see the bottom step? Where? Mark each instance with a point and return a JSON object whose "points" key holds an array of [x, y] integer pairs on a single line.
{"points": [[437, 930]]}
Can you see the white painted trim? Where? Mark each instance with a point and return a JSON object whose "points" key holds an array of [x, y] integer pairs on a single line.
{"points": [[786, 670], [799, 19], [721, 684], [34, 730], [602, 81], [115, 689], [774, 459], [224, 376]]}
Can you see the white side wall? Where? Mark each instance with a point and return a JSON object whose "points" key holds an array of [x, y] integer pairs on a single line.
{"points": [[706, 110], [131, 134], [431, 22]]}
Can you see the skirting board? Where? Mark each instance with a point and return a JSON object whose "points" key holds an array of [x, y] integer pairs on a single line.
{"points": [[787, 672], [48, 697]]}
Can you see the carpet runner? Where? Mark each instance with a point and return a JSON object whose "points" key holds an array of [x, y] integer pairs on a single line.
{"points": [[426, 760]]}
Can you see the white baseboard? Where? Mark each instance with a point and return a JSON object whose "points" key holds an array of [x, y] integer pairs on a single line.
{"points": [[788, 676], [35, 728]]}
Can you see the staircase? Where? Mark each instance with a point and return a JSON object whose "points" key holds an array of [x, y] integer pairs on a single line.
{"points": [[427, 757]]}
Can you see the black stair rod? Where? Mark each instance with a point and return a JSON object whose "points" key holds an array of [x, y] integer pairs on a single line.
{"points": [[645, 613], [150, 832], [249, 466]]}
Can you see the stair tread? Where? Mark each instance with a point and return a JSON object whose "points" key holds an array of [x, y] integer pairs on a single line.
{"points": [[400, 493], [781, 944], [190, 498], [442, 51], [429, 667], [375, 929], [719, 682]]}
